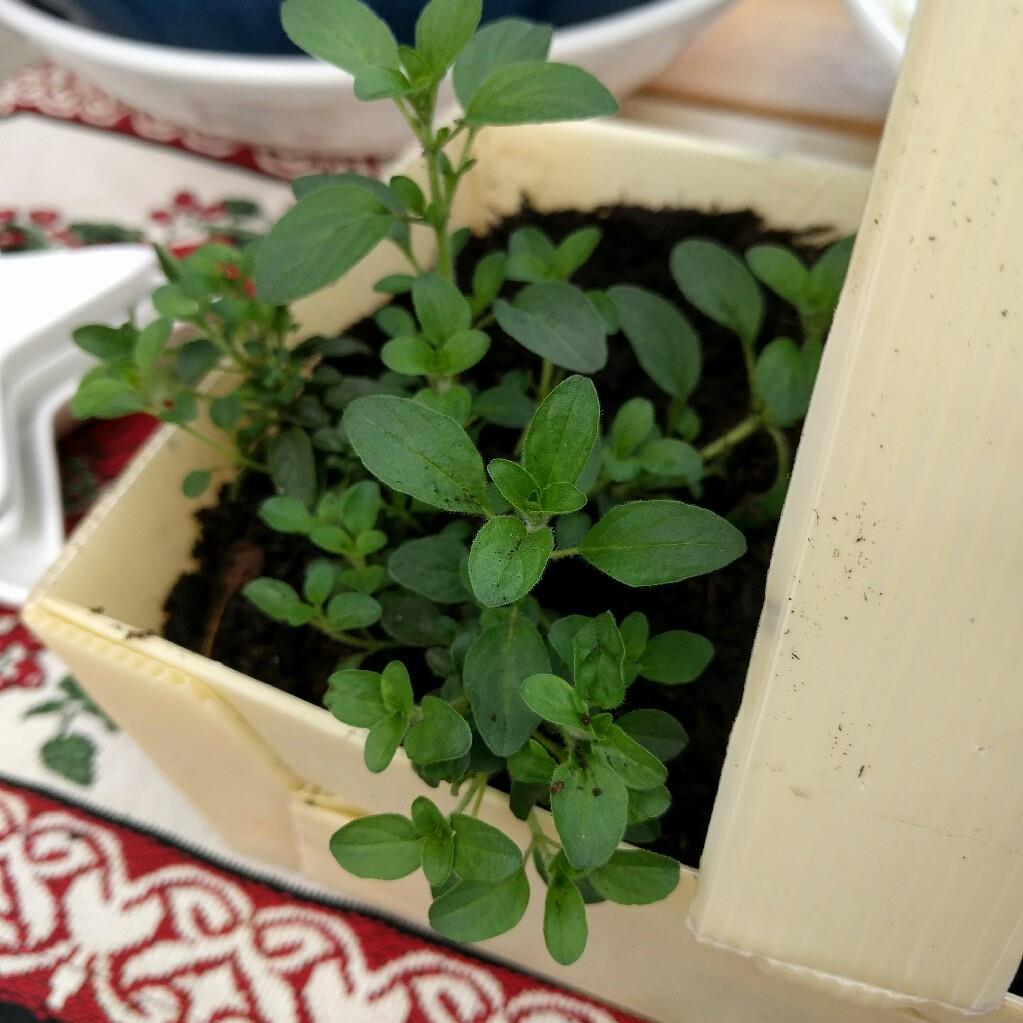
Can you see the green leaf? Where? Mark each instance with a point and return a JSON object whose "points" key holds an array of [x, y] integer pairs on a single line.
{"points": [[410, 195], [106, 343], [506, 560], [360, 505], [558, 322], [650, 543], [438, 858], [499, 44], [105, 398], [319, 240], [411, 356], [352, 611], [636, 765], [373, 83], [635, 877], [562, 433], [431, 568], [441, 307], [504, 406], [415, 621], [477, 910], [516, 485], [827, 275], [455, 402], [781, 270], [534, 92], [635, 631], [293, 465], [320, 578], [676, 657], [417, 451], [184, 408], [196, 482], [396, 688], [647, 804], [172, 302], [719, 284], [71, 756], [598, 658], [441, 734], [561, 499], [631, 426], [555, 701], [151, 343], [564, 921], [395, 321], [226, 412], [345, 33], [487, 279], [530, 255], [574, 251], [783, 377], [353, 696], [666, 346], [383, 741], [498, 662], [656, 731], [286, 515], [532, 765], [427, 818], [385, 846], [462, 351], [590, 804], [570, 529], [279, 601], [195, 359], [443, 29], [562, 635], [666, 456], [482, 852]]}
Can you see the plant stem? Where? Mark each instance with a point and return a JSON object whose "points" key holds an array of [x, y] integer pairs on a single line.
{"points": [[565, 552], [546, 373], [478, 785], [235, 457], [549, 744], [736, 435]]}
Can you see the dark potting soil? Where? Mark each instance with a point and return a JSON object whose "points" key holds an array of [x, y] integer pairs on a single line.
{"points": [[235, 546]]}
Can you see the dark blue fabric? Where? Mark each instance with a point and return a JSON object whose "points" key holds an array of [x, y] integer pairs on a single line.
{"points": [[253, 26]]}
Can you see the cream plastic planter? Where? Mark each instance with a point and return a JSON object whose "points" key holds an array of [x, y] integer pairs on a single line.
{"points": [[275, 775]]}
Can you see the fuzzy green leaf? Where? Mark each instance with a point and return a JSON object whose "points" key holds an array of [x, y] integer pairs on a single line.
{"points": [[279, 601], [431, 568], [482, 852], [562, 433], [675, 657], [383, 741], [441, 734], [497, 45], [506, 560], [561, 499], [504, 406], [345, 33], [293, 465], [196, 482], [558, 322], [373, 82], [598, 658], [650, 543], [320, 579], [564, 921], [648, 804], [665, 343], [417, 451], [415, 621], [286, 515], [353, 611], [385, 846], [151, 343], [636, 765], [827, 275], [666, 456], [354, 697], [195, 359], [534, 92], [396, 688], [555, 701], [443, 29], [719, 284], [105, 398], [590, 804], [462, 351], [781, 270], [631, 426], [532, 765], [440, 306], [502, 657], [105, 343], [515, 485], [319, 240], [477, 910], [635, 877], [411, 356], [783, 377], [655, 730]]}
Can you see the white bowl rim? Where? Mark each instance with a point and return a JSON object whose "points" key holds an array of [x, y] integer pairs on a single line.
{"points": [[877, 18], [299, 71]]}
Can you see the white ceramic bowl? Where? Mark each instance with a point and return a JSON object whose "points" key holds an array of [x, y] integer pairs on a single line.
{"points": [[886, 24], [300, 104]]}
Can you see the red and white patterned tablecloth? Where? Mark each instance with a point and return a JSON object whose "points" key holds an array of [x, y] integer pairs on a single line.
{"points": [[117, 903]]}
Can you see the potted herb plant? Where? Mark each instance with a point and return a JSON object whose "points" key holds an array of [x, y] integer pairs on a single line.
{"points": [[417, 484]]}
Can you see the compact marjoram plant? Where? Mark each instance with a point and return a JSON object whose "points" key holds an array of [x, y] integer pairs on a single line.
{"points": [[532, 697]]}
